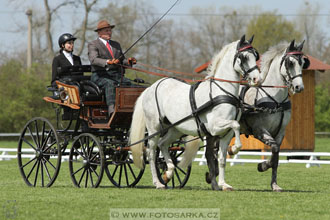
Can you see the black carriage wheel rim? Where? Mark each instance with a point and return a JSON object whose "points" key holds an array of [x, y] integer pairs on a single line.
{"points": [[35, 171]]}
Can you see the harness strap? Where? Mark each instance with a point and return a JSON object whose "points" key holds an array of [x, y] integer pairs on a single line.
{"points": [[199, 123], [161, 119]]}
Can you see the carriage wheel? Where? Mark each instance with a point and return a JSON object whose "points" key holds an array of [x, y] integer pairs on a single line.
{"points": [[86, 161], [39, 153], [180, 176], [121, 171]]}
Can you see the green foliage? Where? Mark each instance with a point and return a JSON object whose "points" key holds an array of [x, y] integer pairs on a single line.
{"points": [[270, 29], [322, 107], [21, 95]]}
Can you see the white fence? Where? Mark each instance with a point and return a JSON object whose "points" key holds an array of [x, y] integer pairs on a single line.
{"points": [[314, 157]]}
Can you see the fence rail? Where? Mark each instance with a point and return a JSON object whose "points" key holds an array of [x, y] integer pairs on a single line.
{"points": [[314, 157]]}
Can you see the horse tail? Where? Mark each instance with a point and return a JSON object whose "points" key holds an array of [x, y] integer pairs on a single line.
{"points": [[191, 148], [137, 133]]}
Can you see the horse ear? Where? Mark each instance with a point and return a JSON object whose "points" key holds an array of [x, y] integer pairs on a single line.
{"points": [[241, 42], [300, 47], [251, 39], [291, 46]]}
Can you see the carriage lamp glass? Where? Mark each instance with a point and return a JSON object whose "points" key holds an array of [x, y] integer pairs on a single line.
{"points": [[64, 95], [164, 213]]}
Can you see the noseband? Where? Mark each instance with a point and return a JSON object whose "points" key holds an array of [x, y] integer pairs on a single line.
{"points": [[239, 55]]}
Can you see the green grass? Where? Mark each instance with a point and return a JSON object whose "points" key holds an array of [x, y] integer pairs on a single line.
{"points": [[306, 194]]}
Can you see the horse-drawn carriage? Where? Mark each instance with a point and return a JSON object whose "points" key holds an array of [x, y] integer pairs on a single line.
{"points": [[86, 136]]}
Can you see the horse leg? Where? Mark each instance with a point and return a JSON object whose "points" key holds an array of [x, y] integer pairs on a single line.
{"points": [[274, 162], [221, 126], [211, 159], [164, 144], [267, 139], [152, 158], [224, 142]]}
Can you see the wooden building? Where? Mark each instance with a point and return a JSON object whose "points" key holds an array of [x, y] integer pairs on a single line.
{"points": [[300, 132]]}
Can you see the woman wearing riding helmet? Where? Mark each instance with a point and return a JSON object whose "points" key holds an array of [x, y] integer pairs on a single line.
{"points": [[65, 57]]}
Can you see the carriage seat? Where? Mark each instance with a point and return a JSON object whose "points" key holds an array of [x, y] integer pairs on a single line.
{"points": [[90, 91]]}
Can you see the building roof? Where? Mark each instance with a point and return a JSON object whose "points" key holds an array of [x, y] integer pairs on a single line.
{"points": [[315, 65]]}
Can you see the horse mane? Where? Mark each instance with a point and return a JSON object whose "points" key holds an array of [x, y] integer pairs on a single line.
{"points": [[216, 60], [268, 57]]}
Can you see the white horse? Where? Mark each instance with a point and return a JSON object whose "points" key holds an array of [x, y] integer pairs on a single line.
{"points": [[167, 101]]}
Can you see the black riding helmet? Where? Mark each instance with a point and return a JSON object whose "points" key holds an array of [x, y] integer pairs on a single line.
{"points": [[64, 38]]}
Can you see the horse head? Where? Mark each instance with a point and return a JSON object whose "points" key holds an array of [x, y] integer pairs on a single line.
{"points": [[245, 61], [291, 66]]}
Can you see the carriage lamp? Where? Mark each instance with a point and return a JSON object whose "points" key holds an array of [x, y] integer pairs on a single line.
{"points": [[63, 94]]}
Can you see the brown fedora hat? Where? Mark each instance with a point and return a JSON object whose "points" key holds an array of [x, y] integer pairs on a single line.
{"points": [[103, 24]]}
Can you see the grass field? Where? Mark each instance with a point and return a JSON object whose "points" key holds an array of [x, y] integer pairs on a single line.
{"points": [[306, 195]]}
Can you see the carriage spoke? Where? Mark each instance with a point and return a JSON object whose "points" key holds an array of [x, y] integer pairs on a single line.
{"points": [[130, 168], [42, 173], [46, 140], [28, 162], [179, 154], [120, 172], [49, 163], [46, 168], [31, 133], [28, 144], [178, 176], [32, 169], [81, 177], [173, 182], [94, 156], [80, 153], [114, 172], [77, 171], [182, 171], [37, 172], [91, 177], [91, 150], [125, 169], [94, 171], [95, 164], [42, 133], [86, 181], [37, 133]]}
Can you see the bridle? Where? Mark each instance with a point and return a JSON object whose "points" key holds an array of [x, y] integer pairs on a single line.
{"points": [[240, 56], [297, 55]]}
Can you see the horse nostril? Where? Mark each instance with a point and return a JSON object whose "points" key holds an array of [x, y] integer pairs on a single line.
{"points": [[297, 88]]}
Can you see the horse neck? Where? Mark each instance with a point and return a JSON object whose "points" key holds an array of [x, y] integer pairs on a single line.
{"points": [[274, 78], [226, 71]]}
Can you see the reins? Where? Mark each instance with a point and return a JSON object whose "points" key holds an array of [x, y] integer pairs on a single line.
{"points": [[187, 74]]}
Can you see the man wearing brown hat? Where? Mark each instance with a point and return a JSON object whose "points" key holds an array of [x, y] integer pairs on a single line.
{"points": [[105, 55]]}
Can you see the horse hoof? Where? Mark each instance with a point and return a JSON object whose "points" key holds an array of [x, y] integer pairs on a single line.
{"points": [[224, 188], [215, 187], [207, 178], [165, 179], [160, 186], [262, 167], [230, 151], [276, 188]]}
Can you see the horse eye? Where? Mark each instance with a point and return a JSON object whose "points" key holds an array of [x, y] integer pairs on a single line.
{"points": [[291, 64]]}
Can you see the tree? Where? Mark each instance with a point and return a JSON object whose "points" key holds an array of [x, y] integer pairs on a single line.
{"points": [[270, 29], [322, 107]]}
